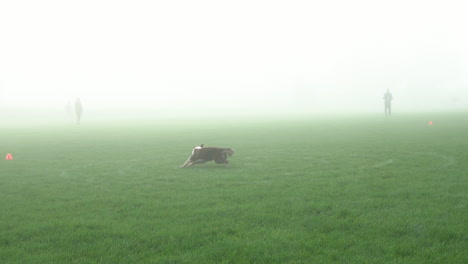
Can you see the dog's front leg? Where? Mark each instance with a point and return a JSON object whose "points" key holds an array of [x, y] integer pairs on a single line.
{"points": [[187, 163]]}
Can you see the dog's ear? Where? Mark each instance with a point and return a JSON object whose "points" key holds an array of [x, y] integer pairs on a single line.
{"points": [[201, 145]]}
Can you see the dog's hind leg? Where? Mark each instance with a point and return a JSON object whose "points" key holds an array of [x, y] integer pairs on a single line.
{"points": [[221, 160]]}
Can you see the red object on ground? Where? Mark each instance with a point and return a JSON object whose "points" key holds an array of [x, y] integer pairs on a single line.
{"points": [[9, 157], [430, 123]]}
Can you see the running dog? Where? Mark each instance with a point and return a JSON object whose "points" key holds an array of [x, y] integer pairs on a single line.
{"points": [[201, 154]]}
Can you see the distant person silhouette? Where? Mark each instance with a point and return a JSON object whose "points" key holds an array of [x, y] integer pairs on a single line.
{"points": [[78, 110], [388, 102]]}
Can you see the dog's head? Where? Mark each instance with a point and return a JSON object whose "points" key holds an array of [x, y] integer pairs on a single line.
{"points": [[196, 148], [229, 151]]}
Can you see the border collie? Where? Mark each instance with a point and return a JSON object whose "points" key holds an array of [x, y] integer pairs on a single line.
{"points": [[201, 154]]}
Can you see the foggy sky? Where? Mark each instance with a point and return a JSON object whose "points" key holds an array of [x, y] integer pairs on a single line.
{"points": [[234, 56]]}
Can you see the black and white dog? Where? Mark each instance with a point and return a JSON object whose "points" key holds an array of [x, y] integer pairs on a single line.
{"points": [[202, 154]]}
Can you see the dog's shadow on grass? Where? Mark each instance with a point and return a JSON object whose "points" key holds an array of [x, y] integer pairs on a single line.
{"points": [[208, 167]]}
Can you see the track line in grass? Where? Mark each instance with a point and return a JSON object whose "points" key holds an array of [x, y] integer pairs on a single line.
{"points": [[64, 174], [94, 163], [122, 171], [447, 161], [383, 163]]}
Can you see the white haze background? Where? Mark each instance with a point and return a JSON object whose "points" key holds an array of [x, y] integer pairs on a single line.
{"points": [[200, 57]]}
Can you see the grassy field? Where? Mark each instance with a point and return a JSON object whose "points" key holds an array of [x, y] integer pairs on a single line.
{"points": [[341, 189]]}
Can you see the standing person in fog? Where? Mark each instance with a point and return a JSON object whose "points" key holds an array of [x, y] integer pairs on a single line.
{"points": [[78, 110], [388, 102]]}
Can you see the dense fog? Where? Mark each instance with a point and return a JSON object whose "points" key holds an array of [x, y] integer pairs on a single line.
{"points": [[182, 58]]}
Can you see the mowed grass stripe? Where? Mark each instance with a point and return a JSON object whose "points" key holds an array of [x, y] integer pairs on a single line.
{"points": [[350, 189]]}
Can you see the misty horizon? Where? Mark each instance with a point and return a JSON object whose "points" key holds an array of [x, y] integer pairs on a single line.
{"points": [[241, 58]]}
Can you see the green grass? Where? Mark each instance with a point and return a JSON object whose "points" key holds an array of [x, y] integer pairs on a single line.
{"points": [[342, 189]]}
